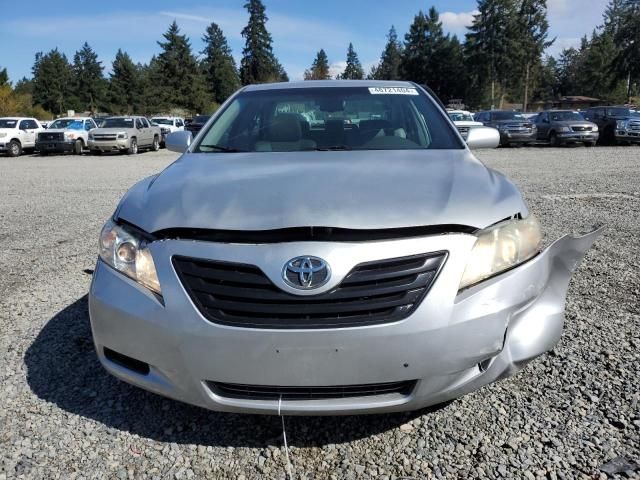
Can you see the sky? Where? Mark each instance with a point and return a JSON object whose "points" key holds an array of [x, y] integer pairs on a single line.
{"points": [[299, 28]]}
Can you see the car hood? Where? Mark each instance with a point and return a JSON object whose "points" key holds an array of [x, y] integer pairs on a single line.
{"points": [[355, 190], [512, 122], [110, 130], [573, 123], [467, 123], [60, 130]]}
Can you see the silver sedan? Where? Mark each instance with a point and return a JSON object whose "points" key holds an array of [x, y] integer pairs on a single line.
{"points": [[329, 247]]}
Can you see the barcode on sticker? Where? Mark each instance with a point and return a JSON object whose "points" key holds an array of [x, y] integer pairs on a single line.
{"points": [[392, 91]]}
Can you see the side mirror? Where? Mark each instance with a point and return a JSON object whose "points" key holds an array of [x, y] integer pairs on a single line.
{"points": [[483, 137], [178, 141]]}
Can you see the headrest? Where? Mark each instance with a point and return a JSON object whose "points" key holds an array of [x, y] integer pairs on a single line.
{"points": [[285, 128]]}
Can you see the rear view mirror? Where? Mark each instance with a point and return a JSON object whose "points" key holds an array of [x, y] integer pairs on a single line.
{"points": [[178, 141], [483, 137]]}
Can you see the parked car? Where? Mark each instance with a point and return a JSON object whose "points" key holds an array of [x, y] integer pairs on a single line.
{"points": [[275, 269], [562, 127], [168, 125], [18, 134], [197, 123], [514, 128], [65, 135], [616, 124], [463, 120], [125, 134]]}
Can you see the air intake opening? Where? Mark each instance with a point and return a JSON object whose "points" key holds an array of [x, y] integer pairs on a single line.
{"points": [[137, 366]]}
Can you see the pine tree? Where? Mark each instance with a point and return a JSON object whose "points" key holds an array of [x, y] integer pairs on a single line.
{"points": [[353, 70], [182, 82], [533, 29], [319, 68], [4, 78], [389, 66], [258, 64], [218, 65], [24, 86], [89, 84], [124, 85], [625, 66], [491, 46], [152, 98], [52, 81]]}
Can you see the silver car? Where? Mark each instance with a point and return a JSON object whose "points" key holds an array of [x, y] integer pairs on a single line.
{"points": [[366, 263]]}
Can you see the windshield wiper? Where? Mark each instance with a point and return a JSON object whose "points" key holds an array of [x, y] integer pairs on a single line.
{"points": [[333, 148], [220, 148]]}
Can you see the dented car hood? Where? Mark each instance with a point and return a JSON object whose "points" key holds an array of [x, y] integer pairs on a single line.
{"points": [[352, 189]]}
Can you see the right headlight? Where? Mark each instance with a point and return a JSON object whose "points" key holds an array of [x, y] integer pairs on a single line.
{"points": [[90, 136], [126, 250], [502, 247], [622, 124]]}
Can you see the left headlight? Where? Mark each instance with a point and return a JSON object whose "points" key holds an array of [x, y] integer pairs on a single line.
{"points": [[502, 247], [126, 251], [621, 124], [564, 129]]}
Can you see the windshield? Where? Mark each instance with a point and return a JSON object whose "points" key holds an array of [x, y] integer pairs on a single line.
{"points": [[118, 123], [507, 116], [162, 121], [618, 112], [8, 123], [460, 117], [335, 118], [67, 123], [565, 116]]}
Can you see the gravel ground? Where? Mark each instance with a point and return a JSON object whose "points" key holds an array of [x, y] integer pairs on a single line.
{"points": [[61, 416]]}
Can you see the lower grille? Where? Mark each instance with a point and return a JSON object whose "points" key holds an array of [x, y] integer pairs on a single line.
{"points": [[264, 392], [51, 137], [464, 131], [372, 293]]}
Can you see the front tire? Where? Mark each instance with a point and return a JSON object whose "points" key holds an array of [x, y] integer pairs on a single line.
{"points": [[553, 140], [155, 146], [15, 149], [133, 147], [77, 147]]}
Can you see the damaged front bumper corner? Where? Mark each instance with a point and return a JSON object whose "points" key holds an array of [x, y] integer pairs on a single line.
{"points": [[536, 327]]}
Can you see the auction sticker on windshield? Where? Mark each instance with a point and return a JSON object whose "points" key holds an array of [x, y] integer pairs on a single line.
{"points": [[392, 91]]}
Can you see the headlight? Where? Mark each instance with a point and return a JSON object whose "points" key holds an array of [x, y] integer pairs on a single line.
{"points": [[621, 124], [502, 247], [594, 128], [69, 136], [90, 136], [126, 251], [123, 135], [564, 129]]}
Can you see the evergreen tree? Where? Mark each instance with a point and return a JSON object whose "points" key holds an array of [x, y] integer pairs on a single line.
{"points": [[626, 63], [491, 45], [4, 78], [24, 86], [218, 65], [258, 64], [182, 82], [52, 81], [389, 66], [124, 85], [353, 70], [152, 93], [319, 68], [548, 84], [89, 84], [533, 29]]}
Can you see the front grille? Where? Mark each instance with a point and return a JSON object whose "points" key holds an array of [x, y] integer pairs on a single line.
{"points": [[372, 293], [634, 125], [264, 392], [464, 131], [581, 129], [51, 137], [104, 137]]}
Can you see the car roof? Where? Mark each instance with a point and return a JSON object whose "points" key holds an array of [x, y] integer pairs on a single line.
{"points": [[17, 118], [72, 118], [328, 84]]}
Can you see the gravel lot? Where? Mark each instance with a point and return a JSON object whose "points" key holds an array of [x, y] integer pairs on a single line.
{"points": [[61, 416]]}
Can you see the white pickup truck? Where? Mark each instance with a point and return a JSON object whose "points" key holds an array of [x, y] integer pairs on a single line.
{"points": [[65, 135], [18, 134]]}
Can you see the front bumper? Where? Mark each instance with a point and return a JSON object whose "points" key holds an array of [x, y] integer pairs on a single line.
{"points": [[509, 137], [109, 145], [578, 137], [628, 135], [452, 344], [55, 146]]}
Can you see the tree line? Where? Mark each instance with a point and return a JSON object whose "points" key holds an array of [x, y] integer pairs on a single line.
{"points": [[501, 60]]}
